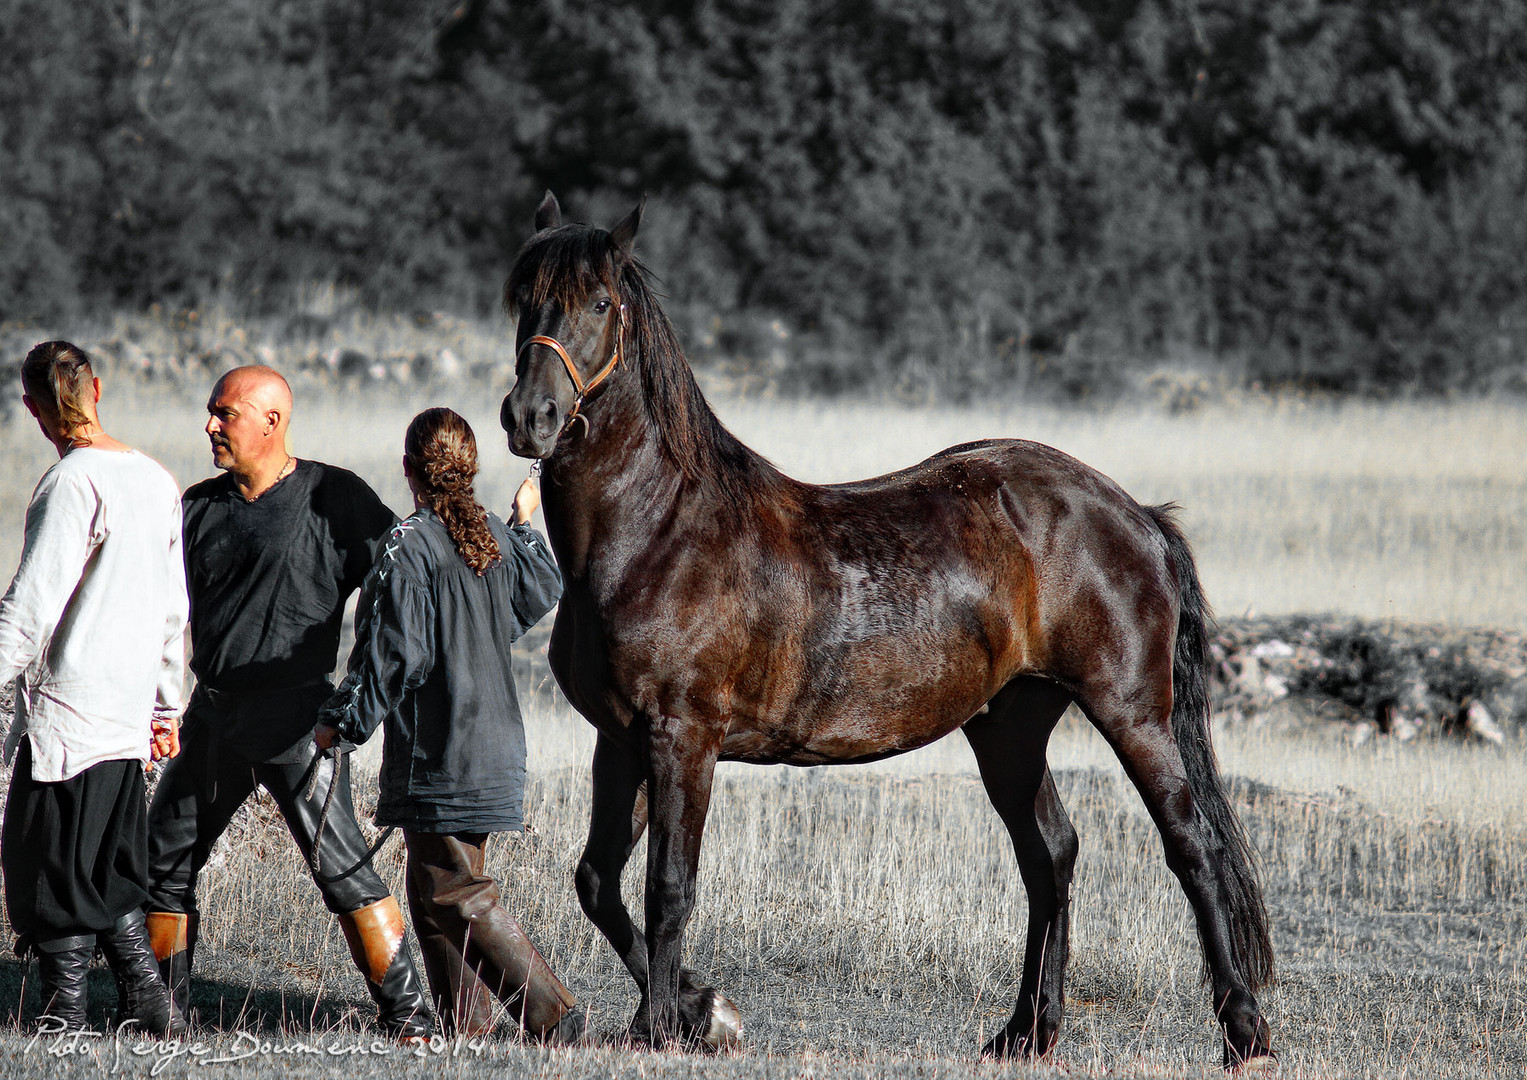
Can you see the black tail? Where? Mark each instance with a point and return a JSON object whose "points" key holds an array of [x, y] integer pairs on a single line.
{"points": [[1190, 727]]}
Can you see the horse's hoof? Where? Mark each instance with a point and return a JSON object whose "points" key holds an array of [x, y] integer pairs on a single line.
{"points": [[1001, 1048], [638, 1033], [723, 1032], [1252, 1055], [1004, 1045]]}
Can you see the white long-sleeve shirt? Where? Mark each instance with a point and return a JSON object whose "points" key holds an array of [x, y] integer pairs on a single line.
{"points": [[94, 621]]}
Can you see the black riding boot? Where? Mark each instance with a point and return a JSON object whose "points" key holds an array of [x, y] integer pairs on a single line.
{"points": [[375, 935], [142, 998], [62, 964]]}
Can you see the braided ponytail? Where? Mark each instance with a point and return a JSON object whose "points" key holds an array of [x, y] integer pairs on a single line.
{"points": [[442, 455], [57, 376]]}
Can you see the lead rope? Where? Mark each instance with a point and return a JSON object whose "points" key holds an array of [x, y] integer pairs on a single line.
{"points": [[315, 859]]}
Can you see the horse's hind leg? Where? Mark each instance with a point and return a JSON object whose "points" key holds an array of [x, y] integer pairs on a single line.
{"points": [[1207, 852], [1009, 744]]}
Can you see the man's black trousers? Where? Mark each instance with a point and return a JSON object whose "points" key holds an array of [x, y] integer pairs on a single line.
{"points": [[204, 786]]}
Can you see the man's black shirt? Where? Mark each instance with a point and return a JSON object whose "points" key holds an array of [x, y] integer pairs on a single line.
{"points": [[269, 579]]}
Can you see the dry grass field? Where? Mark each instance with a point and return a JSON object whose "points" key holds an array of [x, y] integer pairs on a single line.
{"points": [[1408, 510], [869, 920]]}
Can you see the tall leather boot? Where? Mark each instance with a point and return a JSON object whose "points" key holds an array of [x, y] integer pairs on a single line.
{"points": [[142, 997], [463, 1005], [510, 966], [172, 935], [62, 964], [375, 934], [450, 892]]}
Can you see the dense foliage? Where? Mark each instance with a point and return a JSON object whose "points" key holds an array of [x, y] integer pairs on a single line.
{"points": [[983, 191]]}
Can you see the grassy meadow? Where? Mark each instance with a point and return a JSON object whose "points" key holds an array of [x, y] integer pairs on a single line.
{"points": [[869, 920]]}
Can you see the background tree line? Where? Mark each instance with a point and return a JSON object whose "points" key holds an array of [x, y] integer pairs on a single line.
{"points": [[986, 192]]}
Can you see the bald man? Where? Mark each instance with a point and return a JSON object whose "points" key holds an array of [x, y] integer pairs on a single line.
{"points": [[273, 548]]}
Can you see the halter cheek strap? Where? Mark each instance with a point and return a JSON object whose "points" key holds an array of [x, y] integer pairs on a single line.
{"points": [[579, 385]]}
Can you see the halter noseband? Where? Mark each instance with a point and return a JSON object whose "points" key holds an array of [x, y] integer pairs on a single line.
{"points": [[579, 385]]}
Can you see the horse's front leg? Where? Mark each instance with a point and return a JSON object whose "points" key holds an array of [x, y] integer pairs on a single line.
{"points": [[616, 825], [681, 766], [616, 822]]}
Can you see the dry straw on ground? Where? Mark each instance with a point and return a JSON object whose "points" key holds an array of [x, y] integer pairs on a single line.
{"points": [[869, 920]]}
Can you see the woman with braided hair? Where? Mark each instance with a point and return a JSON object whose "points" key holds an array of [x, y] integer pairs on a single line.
{"points": [[451, 590]]}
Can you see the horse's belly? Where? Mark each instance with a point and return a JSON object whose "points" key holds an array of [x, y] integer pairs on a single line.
{"points": [[852, 733], [860, 704]]}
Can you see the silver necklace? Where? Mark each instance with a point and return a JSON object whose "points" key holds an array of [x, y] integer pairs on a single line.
{"points": [[286, 470]]}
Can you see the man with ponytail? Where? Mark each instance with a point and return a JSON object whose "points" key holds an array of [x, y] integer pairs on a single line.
{"points": [[453, 588], [94, 623], [274, 548]]}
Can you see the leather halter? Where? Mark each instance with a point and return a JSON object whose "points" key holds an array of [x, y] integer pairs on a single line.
{"points": [[579, 385]]}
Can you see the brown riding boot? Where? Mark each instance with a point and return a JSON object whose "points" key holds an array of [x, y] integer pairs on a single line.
{"points": [[463, 1005], [375, 934], [447, 883], [510, 966], [172, 935]]}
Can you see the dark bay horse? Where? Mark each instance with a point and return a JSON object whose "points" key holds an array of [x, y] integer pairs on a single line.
{"points": [[716, 609]]}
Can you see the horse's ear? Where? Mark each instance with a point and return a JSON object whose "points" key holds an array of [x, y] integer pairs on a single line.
{"points": [[549, 213], [623, 236]]}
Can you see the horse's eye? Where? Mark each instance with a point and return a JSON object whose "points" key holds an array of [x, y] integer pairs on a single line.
{"points": [[601, 307]]}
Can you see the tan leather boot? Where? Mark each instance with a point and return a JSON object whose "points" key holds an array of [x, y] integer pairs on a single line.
{"points": [[463, 1005], [375, 935], [449, 886], [172, 935]]}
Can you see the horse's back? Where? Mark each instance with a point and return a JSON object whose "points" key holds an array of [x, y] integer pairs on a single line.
{"points": [[1001, 492], [969, 468]]}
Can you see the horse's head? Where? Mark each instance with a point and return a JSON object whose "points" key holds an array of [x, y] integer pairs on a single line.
{"points": [[565, 289]]}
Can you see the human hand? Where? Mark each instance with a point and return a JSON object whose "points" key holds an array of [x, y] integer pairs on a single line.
{"points": [[325, 735], [526, 500], [164, 737]]}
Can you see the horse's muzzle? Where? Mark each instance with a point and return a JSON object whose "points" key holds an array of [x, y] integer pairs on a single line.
{"points": [[532, 431]]}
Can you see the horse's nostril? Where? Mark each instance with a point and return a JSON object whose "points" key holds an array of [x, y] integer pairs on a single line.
{"points": [[546, 419], [506, 416]]}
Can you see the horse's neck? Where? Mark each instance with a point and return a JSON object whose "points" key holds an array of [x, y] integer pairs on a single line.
{"points": [[608, 487]]}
